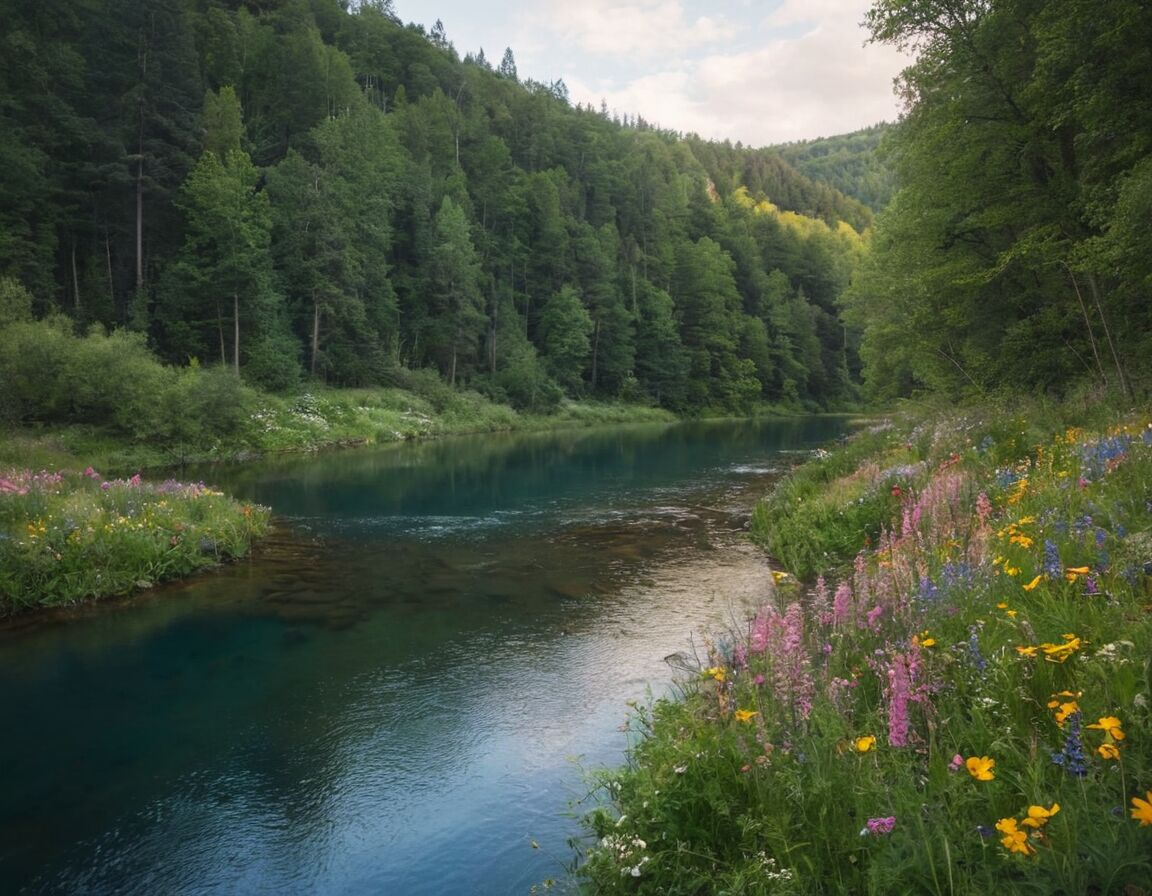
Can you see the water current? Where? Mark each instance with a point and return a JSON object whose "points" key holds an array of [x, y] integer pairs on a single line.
{"points": [[402, 690]]}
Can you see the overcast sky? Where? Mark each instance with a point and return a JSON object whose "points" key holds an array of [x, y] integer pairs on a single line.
{"points": [[759, 72]]}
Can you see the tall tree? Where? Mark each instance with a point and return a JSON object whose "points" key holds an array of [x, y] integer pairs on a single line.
{"points": [[456, 328]]}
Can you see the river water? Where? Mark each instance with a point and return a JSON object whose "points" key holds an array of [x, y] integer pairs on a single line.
{"points": [[401, 692]]}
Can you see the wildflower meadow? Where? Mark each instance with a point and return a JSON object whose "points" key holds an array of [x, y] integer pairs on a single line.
{"points": [[66, 537], [957, 704]]}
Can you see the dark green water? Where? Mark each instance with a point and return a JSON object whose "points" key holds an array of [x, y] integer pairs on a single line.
{"points": [[395, 694]]}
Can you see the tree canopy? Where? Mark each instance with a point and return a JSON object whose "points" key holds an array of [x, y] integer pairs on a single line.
{"points": [[311, 188]]}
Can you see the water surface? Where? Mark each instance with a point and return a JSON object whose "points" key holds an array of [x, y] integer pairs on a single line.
{"points": [[398, 692]]}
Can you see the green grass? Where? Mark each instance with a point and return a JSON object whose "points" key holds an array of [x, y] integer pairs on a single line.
{"points": [[1001, 608]]}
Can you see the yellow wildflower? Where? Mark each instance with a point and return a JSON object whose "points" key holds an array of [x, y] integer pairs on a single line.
{"points": [[1014, 839], [1031, 585], [1063, 710], [1038, 816], [716, 672], [864, 744], [1027, 650], [980, 767], [1111, 724], [744, 715], [1108, 751], [1142, 809]]}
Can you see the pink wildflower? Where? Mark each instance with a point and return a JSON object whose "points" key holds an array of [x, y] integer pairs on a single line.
{"points": [[842, 604], [899, 691]]}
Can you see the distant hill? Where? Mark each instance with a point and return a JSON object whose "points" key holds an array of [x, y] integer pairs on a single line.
{"points": [[849, 163]]}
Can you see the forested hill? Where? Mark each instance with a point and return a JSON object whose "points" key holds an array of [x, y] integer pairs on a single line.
{"points": [[296, 188], [851, 163]]}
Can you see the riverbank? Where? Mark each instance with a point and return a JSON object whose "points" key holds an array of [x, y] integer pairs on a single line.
{"points": [[67, 536], [958, 702], [322, 419]]}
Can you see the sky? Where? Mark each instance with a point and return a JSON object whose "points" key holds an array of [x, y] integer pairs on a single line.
{"points": [[756, 72]]}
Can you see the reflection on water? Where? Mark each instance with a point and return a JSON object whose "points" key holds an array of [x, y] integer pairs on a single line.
{"points": [[392, 696]]}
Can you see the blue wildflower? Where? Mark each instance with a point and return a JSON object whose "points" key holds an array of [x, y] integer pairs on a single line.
{"points": [[1072, 757], [974, 653]]}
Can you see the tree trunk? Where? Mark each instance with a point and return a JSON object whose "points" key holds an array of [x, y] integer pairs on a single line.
{"points": [[595, 352], [75, 279], [1108, 335], [236, 332], [495, 324], [220, 331], [140, 222], [108, 258], [315, 332]]}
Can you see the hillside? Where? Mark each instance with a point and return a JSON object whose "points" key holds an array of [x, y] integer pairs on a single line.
{"points": [[300, 191]]}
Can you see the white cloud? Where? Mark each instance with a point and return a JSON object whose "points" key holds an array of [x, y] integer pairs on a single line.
{"points": [[756, 72], [816, 80], [639, 30]]}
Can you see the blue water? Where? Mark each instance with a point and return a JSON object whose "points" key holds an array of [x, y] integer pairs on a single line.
{"points": [[399, 692]]}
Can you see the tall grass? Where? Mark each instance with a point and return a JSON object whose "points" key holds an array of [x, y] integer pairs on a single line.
{"points": [[962, 708]]}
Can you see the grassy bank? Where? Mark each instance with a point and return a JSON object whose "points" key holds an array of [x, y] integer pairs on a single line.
{"points": [[312, 421], [66, 537], [960, 704]]}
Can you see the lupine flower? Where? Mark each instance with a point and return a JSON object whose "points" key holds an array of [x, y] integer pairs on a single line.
{"points": [[980, 767], [842, 604], [974, 649], [899, 693], [1071, 756]]}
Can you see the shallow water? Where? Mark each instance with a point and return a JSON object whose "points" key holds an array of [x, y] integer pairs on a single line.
{"points": [[398, 692]]}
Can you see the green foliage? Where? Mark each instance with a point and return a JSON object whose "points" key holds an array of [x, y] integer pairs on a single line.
{"points": [[70, 537], [963, 710], [15, 302], [307, 190], [999, 261]]}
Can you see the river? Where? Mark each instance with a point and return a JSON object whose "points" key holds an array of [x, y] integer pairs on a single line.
{"points": [[400, 692]]}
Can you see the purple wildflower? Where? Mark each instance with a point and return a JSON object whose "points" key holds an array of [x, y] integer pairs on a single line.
{"points": [[878, 826]]}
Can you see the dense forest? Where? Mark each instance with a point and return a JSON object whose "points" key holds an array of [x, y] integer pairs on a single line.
{"points": [[311, 189], [1017, 252]]}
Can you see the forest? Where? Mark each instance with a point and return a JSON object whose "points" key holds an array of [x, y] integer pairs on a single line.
{"points": [[313, 191], [1016, 253]]}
